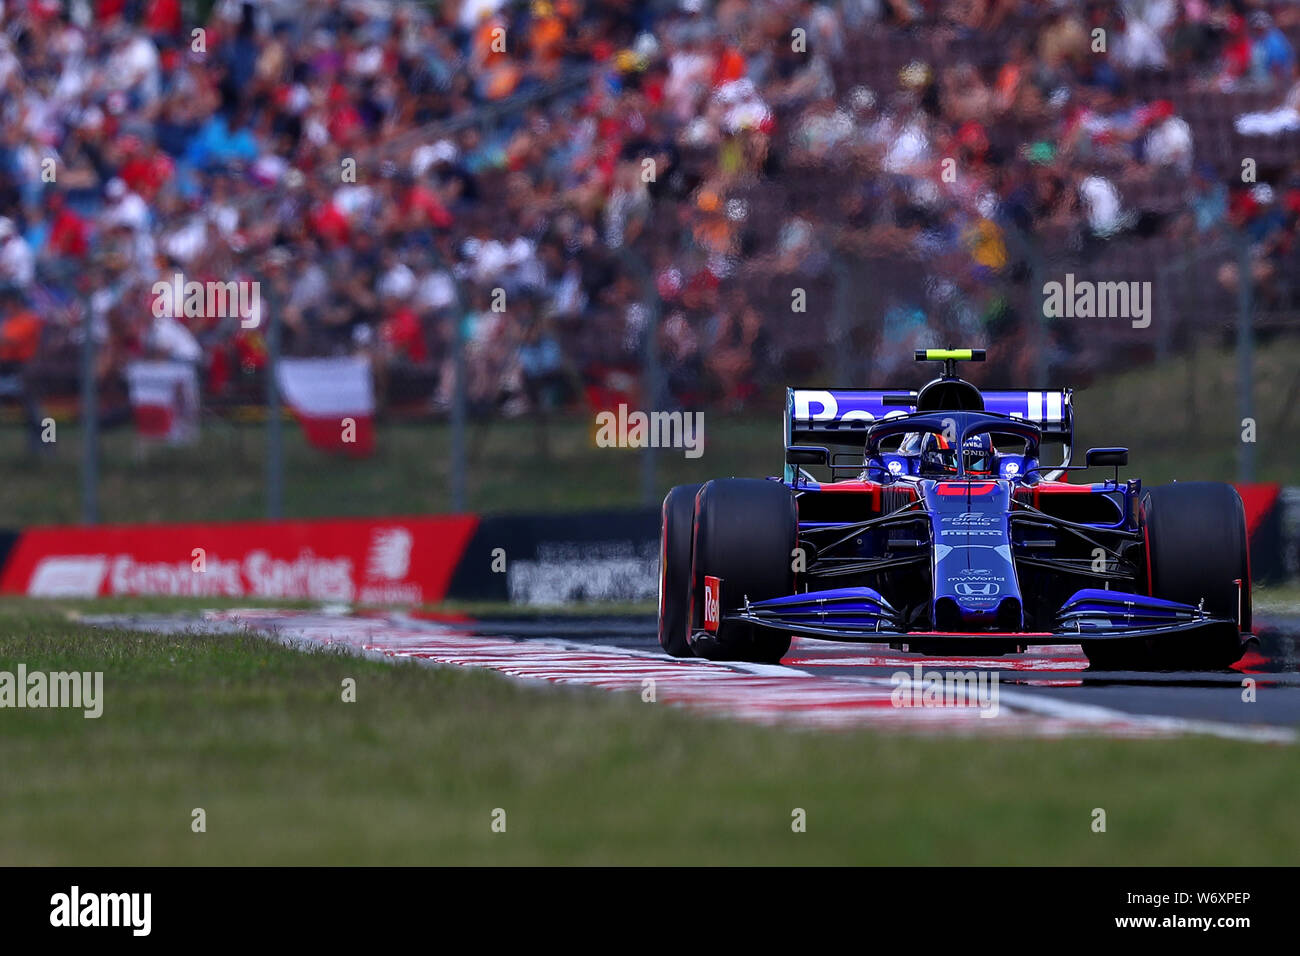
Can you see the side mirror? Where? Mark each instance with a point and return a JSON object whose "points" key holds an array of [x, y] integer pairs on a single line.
{"points": [[807, 455], [1106, 457]]}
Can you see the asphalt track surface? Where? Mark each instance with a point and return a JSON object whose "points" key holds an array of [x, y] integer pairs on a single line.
{"points": [[1046, 691], [1057, 672]]}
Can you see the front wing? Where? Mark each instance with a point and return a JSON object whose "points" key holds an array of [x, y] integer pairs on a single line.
{"points": [[863, 614]]}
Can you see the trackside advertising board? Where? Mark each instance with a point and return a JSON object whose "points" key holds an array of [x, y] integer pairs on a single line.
{"points": [[551, 559], [391, 560], [585, 557]]}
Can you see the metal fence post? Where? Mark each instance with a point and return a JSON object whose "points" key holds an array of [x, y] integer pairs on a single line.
{"points": [[650, 372], [1164, 288], [1037, 305], [89, 415], [843, 299], [1245, 357], [274, 422], [458, 409], [650, 384]]}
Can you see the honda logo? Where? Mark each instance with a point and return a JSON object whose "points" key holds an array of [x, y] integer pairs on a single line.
{"points": [[981, 590]]}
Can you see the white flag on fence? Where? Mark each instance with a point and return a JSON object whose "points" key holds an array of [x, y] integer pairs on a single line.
{"points": [[333, 399], [164, 400]]}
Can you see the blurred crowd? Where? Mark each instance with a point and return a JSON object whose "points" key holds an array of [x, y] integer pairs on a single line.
{"points": [[547, 182]]}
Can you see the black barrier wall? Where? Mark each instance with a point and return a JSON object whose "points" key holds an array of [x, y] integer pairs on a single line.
{"points": [[558, 559], [1267, 551], [7, 540]]}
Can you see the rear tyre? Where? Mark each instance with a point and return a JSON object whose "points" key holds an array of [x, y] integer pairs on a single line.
{"points": [[675, 570], [746, 531], [1197, 551]]}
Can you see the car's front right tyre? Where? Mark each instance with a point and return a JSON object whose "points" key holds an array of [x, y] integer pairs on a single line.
{"points": [[746, 532], [676, 533]]}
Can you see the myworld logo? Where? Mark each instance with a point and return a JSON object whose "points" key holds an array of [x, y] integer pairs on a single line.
{"points": [[977, 574]]}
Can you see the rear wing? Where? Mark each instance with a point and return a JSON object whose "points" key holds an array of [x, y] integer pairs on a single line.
{"points": [[841, 416]]}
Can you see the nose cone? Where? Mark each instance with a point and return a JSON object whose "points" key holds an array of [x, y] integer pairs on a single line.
{"points": [[975, 586]]}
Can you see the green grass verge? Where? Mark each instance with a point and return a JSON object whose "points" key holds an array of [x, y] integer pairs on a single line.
{"points": [[258, 736], [1278, 599], [1180, 420]]}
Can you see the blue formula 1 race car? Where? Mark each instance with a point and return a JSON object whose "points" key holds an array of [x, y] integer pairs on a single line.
{"points": [[939, 529]]}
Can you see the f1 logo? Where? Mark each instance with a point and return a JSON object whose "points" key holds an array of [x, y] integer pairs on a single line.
{"points": [[712, 598]]}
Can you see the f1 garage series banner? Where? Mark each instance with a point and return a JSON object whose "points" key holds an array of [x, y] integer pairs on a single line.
{"points": [[367, 560]]}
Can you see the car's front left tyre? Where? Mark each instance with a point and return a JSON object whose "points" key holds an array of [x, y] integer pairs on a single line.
{"points": [[1198, 553]]}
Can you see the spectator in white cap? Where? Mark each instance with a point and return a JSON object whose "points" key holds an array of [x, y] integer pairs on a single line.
{"points": [[124, 208], [17, 264]]}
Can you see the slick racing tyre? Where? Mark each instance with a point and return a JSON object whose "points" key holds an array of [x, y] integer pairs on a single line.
{"points": [[1197, 550], [746, 531], [675, 570]]}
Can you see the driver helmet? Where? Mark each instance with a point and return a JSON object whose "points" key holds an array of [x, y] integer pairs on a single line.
{"points": [[977, 454], [937, 455], [911, 444]]}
